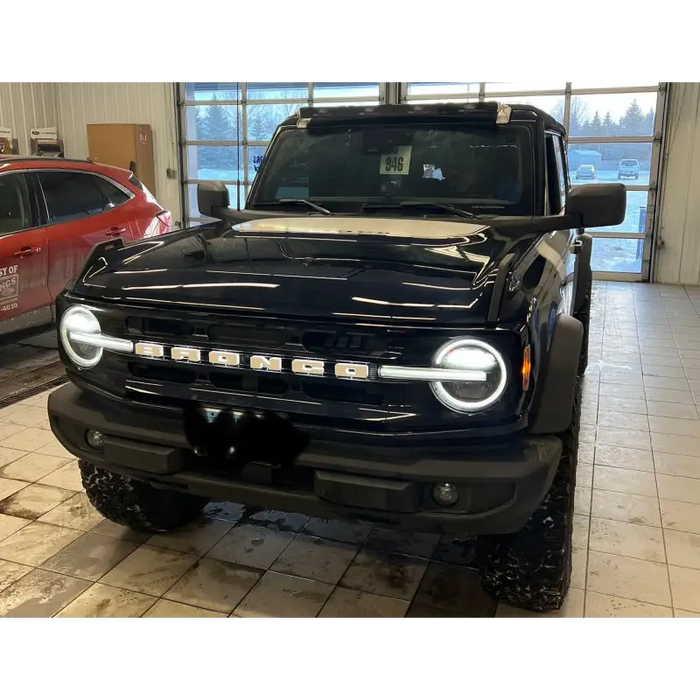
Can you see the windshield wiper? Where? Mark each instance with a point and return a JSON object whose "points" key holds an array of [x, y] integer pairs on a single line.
{"points": [[423, 205], [441, 205], [311, 205]]}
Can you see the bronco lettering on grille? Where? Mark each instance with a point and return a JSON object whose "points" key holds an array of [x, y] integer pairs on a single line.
{"points": [[261, 363]]}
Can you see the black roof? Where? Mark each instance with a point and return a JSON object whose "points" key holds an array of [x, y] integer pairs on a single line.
{"points": [[519, 112]]}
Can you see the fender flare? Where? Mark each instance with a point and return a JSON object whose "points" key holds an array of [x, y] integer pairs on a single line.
{"points": [[554, 395]]}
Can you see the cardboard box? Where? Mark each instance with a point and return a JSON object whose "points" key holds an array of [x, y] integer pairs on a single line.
{"points": [[128, 146]]}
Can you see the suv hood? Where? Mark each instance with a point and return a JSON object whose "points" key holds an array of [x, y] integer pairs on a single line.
{"points": [[350, 268]]}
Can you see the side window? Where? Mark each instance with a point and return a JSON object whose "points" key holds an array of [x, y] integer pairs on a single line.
{"points": [[71, 196], [114, 195], [561, 171], [553, 205], [15, 208]]}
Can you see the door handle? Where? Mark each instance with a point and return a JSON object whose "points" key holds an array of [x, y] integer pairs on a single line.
{"points": [[27, 250], [115, 231]]}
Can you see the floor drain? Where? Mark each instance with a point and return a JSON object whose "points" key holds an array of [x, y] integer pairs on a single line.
{"points": [[56, 377]]}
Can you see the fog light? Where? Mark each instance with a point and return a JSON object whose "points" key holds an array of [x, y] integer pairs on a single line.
{"points": [[445, 495], [95, 439]]}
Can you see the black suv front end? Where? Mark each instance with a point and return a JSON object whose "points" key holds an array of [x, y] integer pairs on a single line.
{"points": [[346, 427]]}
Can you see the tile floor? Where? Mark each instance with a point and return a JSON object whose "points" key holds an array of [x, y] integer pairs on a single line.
{"points": [[637, 532]]}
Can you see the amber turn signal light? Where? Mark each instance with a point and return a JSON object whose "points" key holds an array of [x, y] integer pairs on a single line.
{"points": [[527, 368]]}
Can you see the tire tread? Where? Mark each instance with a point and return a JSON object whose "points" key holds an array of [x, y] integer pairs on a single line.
{"points": [[135, 504], [531, 569]]}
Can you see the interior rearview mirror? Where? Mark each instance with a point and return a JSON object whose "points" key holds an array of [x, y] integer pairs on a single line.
{"points": [[598, 205], [212, 196]]}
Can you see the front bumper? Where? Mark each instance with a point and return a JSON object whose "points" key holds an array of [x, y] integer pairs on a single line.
{"points": [[499, 486]]}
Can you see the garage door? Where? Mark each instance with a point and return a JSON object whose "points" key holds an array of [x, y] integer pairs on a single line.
{"points": [[614, 136], [226, 128]]}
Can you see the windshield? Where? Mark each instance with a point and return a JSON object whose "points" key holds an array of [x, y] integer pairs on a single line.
{"points": [[478, 168]]}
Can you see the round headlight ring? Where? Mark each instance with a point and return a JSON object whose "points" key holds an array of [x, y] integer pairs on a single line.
{"points": [[459, 405], [82, 319]]}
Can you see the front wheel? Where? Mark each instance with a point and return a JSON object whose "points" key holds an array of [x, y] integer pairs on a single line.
{"points": [[136, 504], [531, 568]]}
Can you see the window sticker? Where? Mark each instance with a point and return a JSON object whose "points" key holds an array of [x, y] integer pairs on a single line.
{"points": [[396, 163], [432, 172]]}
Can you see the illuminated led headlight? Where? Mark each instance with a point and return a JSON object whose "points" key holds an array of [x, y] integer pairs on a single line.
{"points": [[82, 338], [484, 362]]}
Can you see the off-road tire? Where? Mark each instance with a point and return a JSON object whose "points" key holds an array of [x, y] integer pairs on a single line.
{"points": [[531, 568], [136, 504], [584, 315]]}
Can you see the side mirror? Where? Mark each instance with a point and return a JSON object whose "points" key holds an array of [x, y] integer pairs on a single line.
{"points": [[598, 205], [212, 196]]}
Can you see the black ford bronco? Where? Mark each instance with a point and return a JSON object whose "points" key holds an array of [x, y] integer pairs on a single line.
{"points": [[393, 331]]}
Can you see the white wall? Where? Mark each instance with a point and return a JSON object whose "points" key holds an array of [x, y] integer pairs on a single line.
{"points": [[79, 104], [24, 106], [678, 259]]}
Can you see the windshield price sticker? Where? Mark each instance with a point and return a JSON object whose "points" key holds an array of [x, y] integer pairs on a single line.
{"points": [[396, 163]]}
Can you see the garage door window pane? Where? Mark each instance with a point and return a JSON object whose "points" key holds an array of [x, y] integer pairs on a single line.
{"points": [[347, 90], [263, 119], [214, 163], [534, 86], [617, 255], [415, 89], [193, 210], [611, 162], [597, 84], [613, 115], [450, 100], [635, 215], [212, 91], [277, 91], [212, 122], [552, 104]]}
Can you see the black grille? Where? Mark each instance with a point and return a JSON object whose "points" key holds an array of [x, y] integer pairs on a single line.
{"points": [[283, 338], [278, 337], [163, 328], [327, 400]]}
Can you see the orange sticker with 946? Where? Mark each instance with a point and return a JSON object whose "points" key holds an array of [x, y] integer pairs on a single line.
{"points": [[396, 163]]}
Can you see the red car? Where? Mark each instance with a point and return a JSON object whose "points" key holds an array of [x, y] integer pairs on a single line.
{"points": [[52, 212]]}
